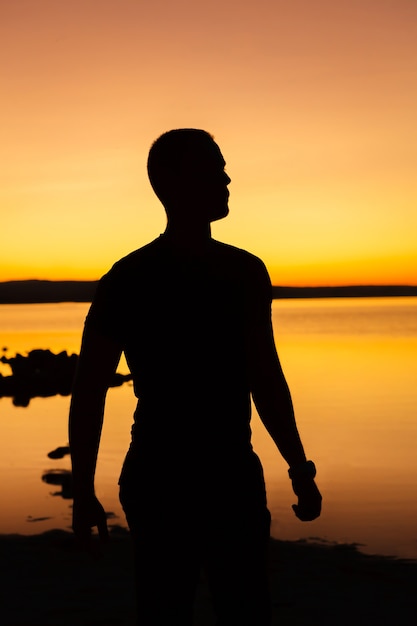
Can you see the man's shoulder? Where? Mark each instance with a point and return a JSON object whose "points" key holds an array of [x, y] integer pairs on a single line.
{"points": [[145, 254], [238, 256]]}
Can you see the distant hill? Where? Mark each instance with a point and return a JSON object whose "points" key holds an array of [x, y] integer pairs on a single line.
{"points": [[42, 291], [37, 291], [352, 291]]}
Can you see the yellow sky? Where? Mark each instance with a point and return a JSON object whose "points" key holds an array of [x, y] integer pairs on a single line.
{"points": [[313, 103]]}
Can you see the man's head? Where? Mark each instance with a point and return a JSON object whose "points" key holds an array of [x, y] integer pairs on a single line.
{"points": [[186, 171]]}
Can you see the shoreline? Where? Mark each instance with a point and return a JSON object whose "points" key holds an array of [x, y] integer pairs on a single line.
{"points": [[48, 291], [46, 581]]}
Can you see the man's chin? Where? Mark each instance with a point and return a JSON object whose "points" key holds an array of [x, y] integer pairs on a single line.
{"points": [[220, 215]]}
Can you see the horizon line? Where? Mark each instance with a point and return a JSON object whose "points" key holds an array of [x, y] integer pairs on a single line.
{"points": [[283, 286], [38, 291]]}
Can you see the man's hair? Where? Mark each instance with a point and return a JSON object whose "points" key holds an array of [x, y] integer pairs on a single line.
{"points": [[169, 155]]}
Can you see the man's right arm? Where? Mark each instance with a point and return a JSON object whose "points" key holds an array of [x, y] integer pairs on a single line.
{"points": [[272, 397], [273, 402]]}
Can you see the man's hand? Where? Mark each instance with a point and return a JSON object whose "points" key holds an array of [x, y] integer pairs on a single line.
{"points": [[88, 512], [309, 499]]}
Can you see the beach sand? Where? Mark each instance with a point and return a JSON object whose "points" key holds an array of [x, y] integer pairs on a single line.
{"points": [[46, 582]]}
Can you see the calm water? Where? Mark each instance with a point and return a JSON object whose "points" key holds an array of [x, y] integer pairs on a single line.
{"points": [[351, 367]]}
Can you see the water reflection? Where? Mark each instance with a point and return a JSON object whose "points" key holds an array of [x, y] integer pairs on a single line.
{"points": [[61, 478], [59, 452], [355, 394], [42, 374]]}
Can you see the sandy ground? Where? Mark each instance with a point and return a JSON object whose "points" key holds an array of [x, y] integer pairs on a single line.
{"points": [[45, 582]]}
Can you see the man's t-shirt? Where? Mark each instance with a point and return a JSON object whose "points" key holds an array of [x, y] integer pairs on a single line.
{"points": [[184, 324]]}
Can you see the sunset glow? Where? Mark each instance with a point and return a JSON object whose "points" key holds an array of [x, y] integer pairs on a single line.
{"points": [[313, 103]]}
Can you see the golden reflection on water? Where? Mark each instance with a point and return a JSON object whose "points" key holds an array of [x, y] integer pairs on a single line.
{"points": [[54, 326], [354, 393]]}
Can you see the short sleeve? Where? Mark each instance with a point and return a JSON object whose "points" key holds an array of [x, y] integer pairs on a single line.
{"points": [[259, 294], [105, 315]]}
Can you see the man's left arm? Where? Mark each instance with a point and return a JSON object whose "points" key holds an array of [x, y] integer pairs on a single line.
{"points": [[97, 363]]}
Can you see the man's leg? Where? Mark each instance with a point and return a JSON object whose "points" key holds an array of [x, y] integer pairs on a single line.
{"points": [[237, 552], [165, 559], [165, 579], [237, 569]]}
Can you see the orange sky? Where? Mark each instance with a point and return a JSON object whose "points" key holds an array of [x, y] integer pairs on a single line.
{"points": [[313, 103]]}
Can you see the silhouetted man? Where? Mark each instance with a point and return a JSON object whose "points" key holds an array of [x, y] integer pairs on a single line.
{"points": [[193, 317]]}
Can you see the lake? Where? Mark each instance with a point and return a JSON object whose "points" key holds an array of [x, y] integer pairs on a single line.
{"points": [[351, 367]]}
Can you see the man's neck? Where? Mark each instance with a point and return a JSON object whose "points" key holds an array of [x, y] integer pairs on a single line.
{"points": [[188, 238]]}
